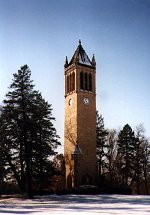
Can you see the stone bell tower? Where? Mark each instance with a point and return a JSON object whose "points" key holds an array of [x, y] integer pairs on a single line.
{"points": [[80, 119]]}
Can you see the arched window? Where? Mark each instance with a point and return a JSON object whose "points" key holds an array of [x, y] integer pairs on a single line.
{"points": [[81, 81], [86, 82], [90, 82], [67, 83], [70, 82], [73, 81]]}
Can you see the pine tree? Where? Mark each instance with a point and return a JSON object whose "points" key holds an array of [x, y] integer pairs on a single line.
{"points": [[30, 131], [45, 141], [17, 109], [138, 155], [126, 150]]}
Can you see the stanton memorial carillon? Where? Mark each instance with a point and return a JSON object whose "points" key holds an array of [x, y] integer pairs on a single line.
{"points": [[80, 119]]}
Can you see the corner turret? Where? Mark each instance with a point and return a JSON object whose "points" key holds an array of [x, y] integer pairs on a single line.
{"points": [[66, 62], [93, 61]]}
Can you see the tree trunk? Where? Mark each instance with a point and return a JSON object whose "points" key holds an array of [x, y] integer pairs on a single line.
{"points": [[13, 169], [28, 170], [22, 168]]}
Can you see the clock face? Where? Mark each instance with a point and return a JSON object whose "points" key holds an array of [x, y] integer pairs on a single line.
{"points": [[86, 101], [70, 102]]}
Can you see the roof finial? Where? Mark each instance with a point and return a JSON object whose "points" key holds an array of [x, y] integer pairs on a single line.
{"points": [[79, 42]]}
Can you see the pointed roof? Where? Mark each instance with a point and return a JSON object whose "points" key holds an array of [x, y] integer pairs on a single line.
{"points": [[80, 56], [93, 61], [66, 62]]}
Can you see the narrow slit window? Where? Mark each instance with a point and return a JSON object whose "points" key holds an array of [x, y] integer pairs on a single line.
{"points": [[81, 81], [90, 82], [86, 82], [67, 83], [73, 81]]}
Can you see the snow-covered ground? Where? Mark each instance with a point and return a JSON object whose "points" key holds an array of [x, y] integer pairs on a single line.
{"points": [[74, 204]]}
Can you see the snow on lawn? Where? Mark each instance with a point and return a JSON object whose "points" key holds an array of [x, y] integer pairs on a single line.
{"points": [[73, 204]]}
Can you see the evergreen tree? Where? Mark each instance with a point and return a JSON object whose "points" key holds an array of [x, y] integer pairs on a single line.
{"points": [[45, 141], [126, 150], [30, 137], [8, 150], [18, 110], [138, 156]]}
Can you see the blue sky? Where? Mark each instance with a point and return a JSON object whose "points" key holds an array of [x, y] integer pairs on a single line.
{"points": [[41, 33]]}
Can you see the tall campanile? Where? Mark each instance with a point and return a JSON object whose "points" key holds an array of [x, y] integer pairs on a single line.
{"points": [[80, 119]]}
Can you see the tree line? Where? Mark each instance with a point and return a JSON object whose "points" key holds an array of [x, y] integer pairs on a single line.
{"points": [[28, 141], [123, 158]]}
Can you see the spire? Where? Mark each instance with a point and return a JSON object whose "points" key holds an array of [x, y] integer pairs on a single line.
{"points": [[66, 62], [93, 61], [80, 56]]}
